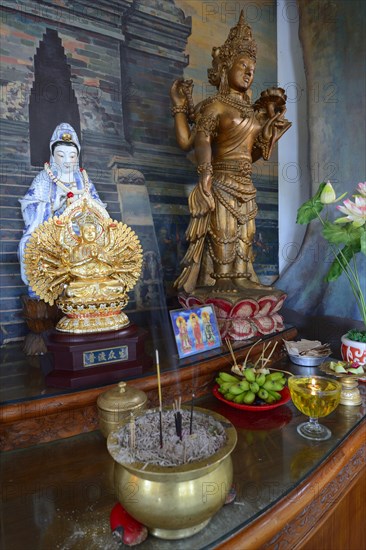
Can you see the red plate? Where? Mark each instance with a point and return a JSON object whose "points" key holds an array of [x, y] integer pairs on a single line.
{"points": [[285, 393]]}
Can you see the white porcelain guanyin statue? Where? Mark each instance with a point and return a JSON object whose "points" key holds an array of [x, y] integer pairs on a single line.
{"points": [[61, 182]]}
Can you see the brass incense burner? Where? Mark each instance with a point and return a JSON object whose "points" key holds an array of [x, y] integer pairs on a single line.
{"points": [[175, 502]]}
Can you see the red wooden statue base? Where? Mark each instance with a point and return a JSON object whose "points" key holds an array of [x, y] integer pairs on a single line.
{"points": [[95, 359]]}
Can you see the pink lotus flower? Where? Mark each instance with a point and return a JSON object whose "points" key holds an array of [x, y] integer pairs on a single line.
{"points": [[355, 211], [361, 188]]}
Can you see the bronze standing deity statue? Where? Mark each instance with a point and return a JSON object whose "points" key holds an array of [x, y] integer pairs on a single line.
{"points": [[228, 134]]}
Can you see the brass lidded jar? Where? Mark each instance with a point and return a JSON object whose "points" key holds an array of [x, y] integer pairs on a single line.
{"points": [[117, 404]]}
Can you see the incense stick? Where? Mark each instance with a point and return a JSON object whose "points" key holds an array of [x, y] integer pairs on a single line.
{"points": [[160, 398], [249, 350], [262, 357], [266, 359], [191, 419], [179, 425], [230, 348], [178, 417], [159, 383], [132, 432]]}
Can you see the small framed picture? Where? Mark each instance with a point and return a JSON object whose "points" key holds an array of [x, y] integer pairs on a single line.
{"points": [[196, 330]]}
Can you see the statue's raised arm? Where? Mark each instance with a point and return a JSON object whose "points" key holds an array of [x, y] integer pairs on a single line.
{"points": [[183, 112]]}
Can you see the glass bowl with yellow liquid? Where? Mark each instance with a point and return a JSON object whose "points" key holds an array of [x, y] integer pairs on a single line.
{"points": [[314, 396]]}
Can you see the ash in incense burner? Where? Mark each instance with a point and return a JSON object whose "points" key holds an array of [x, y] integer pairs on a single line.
{"points": [[138, 441]]}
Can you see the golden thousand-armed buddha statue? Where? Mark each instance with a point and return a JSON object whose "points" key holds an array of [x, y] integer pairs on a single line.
{"points": [[87, 263]]}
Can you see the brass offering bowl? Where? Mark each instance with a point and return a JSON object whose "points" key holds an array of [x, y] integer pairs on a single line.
{"points": [[117, 405], [175, 502]]}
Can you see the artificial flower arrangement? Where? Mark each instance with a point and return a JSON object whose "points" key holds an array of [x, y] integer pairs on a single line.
{"points": [[347, 238]]}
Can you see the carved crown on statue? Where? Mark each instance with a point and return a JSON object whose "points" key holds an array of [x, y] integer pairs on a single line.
{"points": [[86, 263]]}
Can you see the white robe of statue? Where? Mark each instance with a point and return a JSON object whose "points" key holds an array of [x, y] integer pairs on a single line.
{"points": [[51, 188]]}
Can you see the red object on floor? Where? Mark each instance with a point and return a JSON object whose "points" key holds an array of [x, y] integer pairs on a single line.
{"points": [[125, 528]]}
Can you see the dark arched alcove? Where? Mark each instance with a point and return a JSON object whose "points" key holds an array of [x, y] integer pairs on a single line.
{"points": [[52, 98]]}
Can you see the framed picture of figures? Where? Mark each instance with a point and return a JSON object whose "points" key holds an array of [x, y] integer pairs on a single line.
{"points": [[195, 330]]}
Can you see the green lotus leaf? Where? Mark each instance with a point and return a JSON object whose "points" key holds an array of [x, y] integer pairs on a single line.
{"points": [[342, 260], [341, 234], [311, 208]]}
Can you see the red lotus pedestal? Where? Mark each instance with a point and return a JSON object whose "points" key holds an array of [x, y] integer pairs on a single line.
{"points": [[95, 359], [244, 314]]}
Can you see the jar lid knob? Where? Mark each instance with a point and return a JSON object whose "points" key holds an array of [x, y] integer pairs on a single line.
{"points": [[122, 387]]}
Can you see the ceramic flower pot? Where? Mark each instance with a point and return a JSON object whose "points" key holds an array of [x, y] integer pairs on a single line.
{"points": [[353, 351]]}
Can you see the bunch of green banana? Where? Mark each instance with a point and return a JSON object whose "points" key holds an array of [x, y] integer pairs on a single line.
{"points": [[253, 384]]}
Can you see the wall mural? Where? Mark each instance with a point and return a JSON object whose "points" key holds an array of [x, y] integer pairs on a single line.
{"points": [[118, 65], [335, 64]]}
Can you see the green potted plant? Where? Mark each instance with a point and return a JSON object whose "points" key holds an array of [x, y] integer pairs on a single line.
{"points": [[347, 238]]}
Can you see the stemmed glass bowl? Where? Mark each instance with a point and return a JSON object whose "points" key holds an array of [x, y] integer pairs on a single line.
{"points": [[314, 396]]}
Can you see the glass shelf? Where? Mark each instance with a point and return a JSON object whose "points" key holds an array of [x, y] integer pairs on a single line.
{"points": [[60, 494]]}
